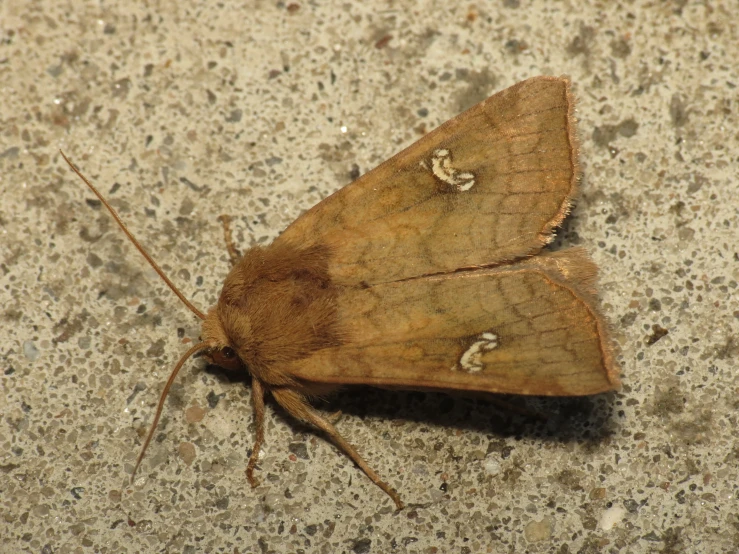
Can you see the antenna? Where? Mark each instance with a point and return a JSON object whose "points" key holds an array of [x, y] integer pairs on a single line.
{"points": [[163, 397], [135, 242]]}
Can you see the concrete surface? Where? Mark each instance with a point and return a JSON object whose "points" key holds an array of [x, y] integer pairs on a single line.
{"points": [[182, 111]]}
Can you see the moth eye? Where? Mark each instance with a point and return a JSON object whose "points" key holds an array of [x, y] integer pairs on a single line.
{"points": [[228, 353], [226, 358]]}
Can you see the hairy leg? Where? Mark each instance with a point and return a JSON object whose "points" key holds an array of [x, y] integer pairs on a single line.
{"points": [[233, 252], [257, 398], [297, 406]]}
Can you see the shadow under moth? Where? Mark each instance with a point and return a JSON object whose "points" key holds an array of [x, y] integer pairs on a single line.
{"points": [[425, 273]]}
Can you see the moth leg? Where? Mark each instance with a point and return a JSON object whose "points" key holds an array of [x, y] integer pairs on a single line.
{"points": [[297, 406], [257, 398], [233, 252]]}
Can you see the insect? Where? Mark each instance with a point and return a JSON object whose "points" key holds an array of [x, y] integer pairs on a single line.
{"points": [[425, 273]]}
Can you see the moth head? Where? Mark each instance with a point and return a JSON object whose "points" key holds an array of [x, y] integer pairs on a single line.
{"points": [[226, 358], [221, 352]]}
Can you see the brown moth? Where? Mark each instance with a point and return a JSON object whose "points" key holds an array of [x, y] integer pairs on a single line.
{"points": [[425, 273]]}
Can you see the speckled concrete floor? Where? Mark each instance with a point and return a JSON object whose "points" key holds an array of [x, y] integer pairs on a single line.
{"points": [[182, 111]]}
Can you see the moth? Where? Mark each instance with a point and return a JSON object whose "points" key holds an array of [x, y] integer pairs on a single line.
{"points": [[427, 273]]}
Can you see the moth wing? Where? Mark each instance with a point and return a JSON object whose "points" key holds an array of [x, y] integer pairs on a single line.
{"points": [[529, 328], [485, 187]]}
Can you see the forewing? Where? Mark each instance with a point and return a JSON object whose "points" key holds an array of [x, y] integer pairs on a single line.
{"points": [[529, 328], [486, 187]]}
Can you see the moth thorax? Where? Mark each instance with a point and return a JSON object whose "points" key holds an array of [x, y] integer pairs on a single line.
{"points": [[278, 305]]}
